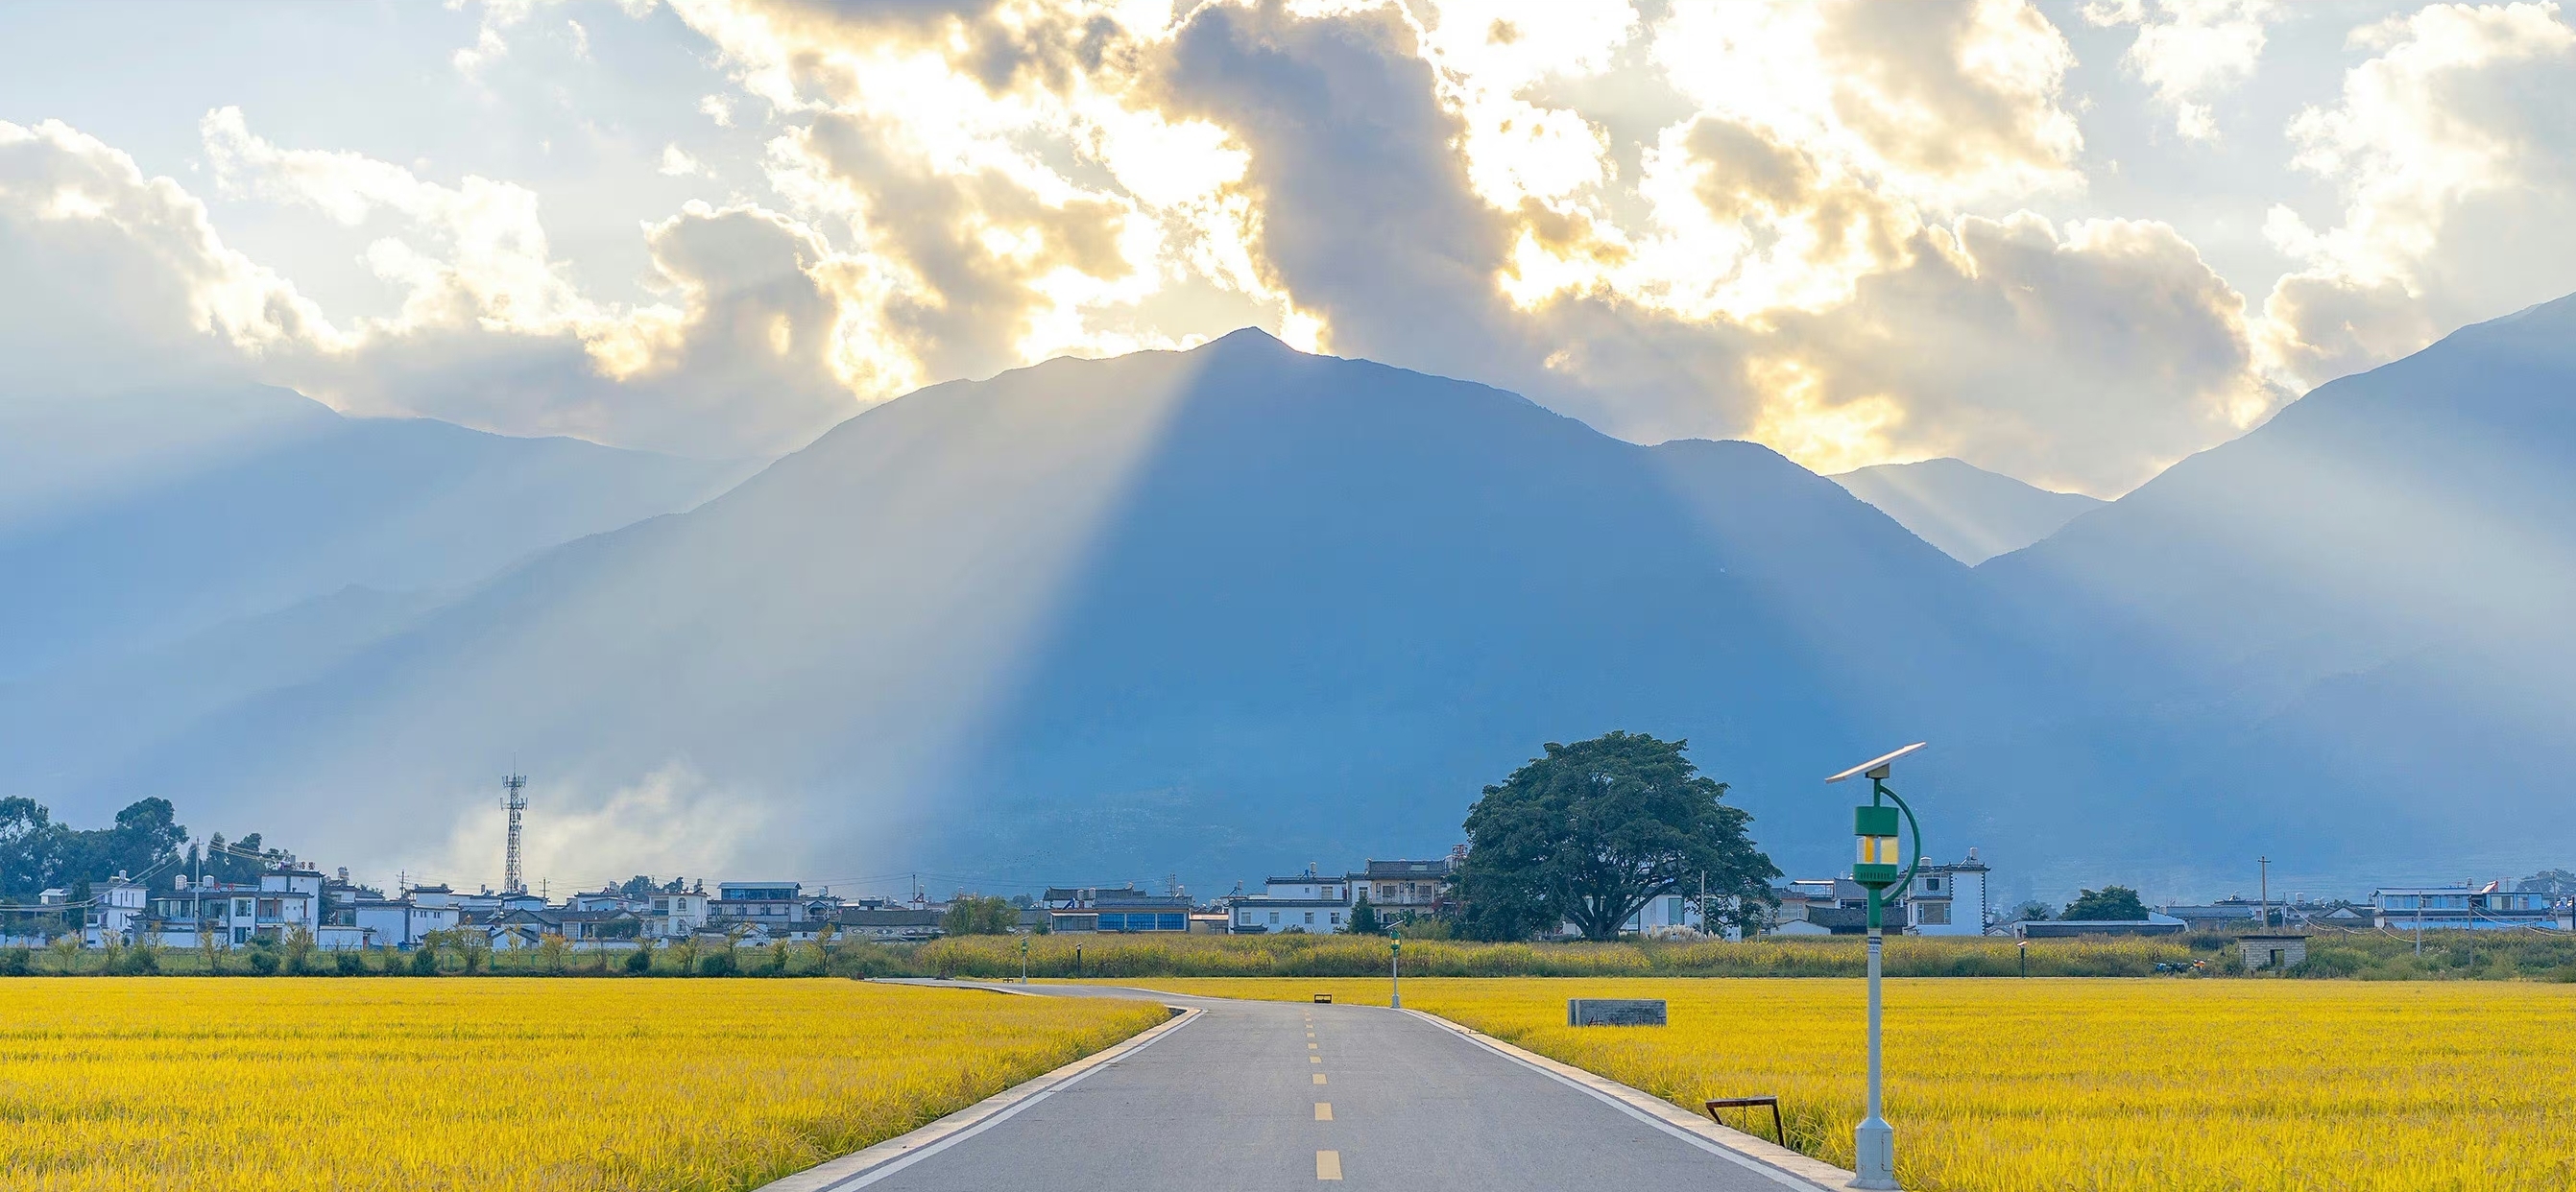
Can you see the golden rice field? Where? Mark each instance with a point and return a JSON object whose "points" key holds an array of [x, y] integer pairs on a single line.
{"points": [[2089, 1085], [215, 1085]]}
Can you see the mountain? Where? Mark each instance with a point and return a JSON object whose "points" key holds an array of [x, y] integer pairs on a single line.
{"points": [[137, 522], [1970, 513], [2346, 631], [1212, 612]]}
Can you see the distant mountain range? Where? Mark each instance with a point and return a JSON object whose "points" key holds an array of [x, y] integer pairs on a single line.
{"points": [[1220, 611], [137, 521], [1970, 513]]}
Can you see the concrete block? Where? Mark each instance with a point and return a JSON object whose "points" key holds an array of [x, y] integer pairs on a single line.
{"points": [[1614, 1011]]}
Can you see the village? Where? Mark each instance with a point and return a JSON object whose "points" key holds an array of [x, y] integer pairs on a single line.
{"points": [[297, 899]]}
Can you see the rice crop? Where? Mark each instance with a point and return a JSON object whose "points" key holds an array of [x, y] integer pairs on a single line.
{"points": [[2001, 1085], [219, 1085]]}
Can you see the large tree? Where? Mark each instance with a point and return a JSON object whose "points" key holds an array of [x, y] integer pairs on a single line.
{"points": [[2110, 904], [37, 851], [1591, 832]]}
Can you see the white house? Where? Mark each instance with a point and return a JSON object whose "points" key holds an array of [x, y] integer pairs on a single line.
{"points": [[115, 908], [235, 913], [402, 922], [1313, 902], [766, 903], [1312, 886], [676, 914], [1948, 899], [2479, 908], [1262, 915]]}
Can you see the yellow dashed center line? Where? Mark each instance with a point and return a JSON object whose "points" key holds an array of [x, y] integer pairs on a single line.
{"points": [[1310, 1047], [1328, 1165], [1323, 1111], [1314, 1059], [1319, 1078]]}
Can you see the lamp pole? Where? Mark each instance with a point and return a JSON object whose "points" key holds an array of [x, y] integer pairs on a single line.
{"points": [[1876, 827], [1024, 960], [1395, 972]]}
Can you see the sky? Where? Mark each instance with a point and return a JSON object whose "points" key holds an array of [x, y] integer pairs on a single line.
{"points": [[2070, 242]]}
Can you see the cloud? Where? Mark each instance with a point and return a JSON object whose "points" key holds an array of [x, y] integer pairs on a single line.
{"points": [[2190, 52], [119, 281], [2450, 150], [1671, 220], [673, 821], [489, 46]]}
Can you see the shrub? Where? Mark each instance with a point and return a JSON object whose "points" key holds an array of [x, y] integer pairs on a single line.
{"points": [[718, 963], [424, 962], [350, 964], [639, 962], [16, 962], [263, 962]]}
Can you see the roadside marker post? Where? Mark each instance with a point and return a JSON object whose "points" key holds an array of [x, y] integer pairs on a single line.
{"points": [[1395, 972]]}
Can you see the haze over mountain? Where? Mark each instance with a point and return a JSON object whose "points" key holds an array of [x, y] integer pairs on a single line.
{"points": [[1970, 513], [1217, 611], [2352, 622], [1210, 611], [130, 522]]}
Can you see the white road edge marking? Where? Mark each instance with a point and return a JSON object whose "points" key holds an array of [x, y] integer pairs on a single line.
{"points": [[1651, 1110], [894, 1154]]}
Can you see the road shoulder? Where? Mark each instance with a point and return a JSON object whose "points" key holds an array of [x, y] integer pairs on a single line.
{"points": [[861, 1168], [1790, 1168]]}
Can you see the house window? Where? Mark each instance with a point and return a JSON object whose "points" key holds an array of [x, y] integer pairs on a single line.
{"points": [[1932, 883], [1936, 913], [1337, 918], [1274, 916], [1672, 910], [1310, 916]]}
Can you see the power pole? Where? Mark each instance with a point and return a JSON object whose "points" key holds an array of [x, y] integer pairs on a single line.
{"points": [[514, 797], [2263, 890]]}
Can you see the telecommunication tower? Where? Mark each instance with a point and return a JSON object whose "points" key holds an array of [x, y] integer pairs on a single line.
{"points": [[515, 798]]}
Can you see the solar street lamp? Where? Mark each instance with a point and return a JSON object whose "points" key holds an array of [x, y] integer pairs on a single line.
{"points": [[1881, 863], [1395, 972]]}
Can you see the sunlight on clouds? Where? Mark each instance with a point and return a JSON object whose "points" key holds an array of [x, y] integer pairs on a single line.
{"points": [[2190, 51], [1809, 223], [133, 261], [2440, 119], [1796, 420]]}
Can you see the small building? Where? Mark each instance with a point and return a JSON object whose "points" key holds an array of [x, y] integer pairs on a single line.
{"points": [[116, 906], [2234, 913], [2462, 907], [1947, 899], [285, 900], [2273, 952], [1410, 887], [675, 914], [1143, 913], [1312, 886], [768, 903], [400, 922], [1257, 915]]}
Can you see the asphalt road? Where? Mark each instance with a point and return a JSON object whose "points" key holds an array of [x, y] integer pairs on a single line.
{"points": [[1256, 1096]]}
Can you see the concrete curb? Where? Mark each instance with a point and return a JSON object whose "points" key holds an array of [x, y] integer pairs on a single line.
{"points": [[1789, 1168], [894, 1154]]}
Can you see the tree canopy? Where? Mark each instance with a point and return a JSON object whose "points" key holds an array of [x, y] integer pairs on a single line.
{"points": [[979, 915], [2110, 904], [1591, 832], [37, 851]]}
